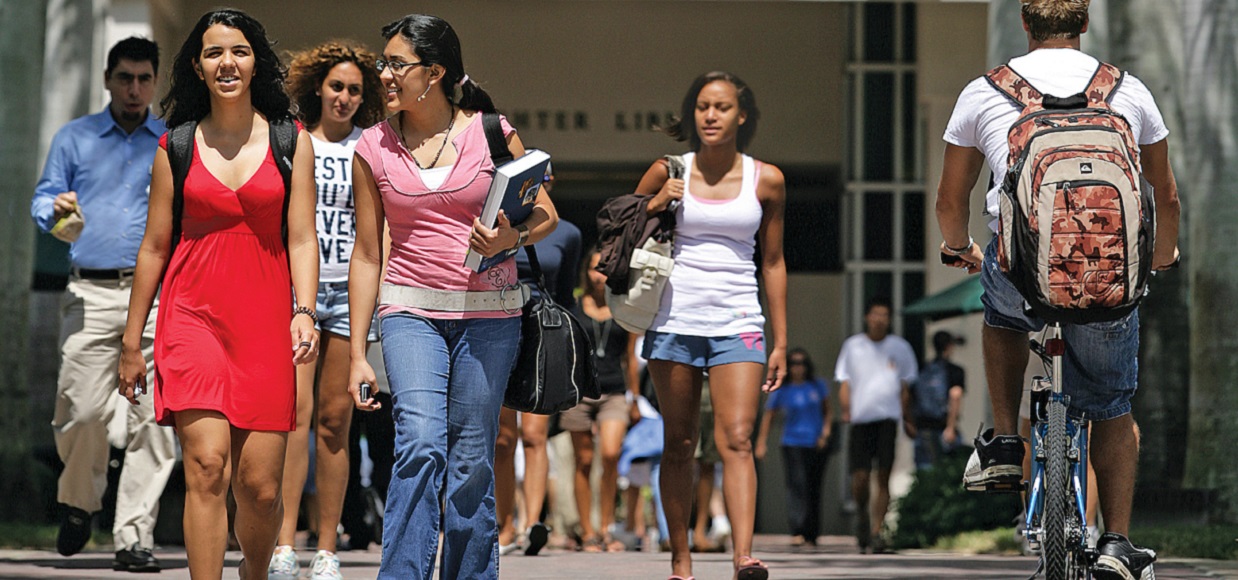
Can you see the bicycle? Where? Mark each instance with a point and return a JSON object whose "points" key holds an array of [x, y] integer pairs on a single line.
{"points": [[1056, 520]]}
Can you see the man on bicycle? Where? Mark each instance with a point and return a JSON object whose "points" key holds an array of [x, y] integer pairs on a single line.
{"points": [[1101, 362]]}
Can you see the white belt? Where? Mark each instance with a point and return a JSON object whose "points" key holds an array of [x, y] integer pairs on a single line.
{"points": [[509, 299]]}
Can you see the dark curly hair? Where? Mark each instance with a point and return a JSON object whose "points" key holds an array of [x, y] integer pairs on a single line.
{"points": [[309, 68], [435, 42], [683, 127], [188, 99]]}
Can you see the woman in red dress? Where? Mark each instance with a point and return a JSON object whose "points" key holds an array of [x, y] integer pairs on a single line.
{"points": [[224, 373]]}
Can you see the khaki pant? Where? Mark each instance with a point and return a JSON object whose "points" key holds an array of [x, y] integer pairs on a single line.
{"points": [[93, 314]]}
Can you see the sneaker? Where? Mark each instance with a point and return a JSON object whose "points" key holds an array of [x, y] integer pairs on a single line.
{"points": [[74, 531], [996, 464], [879, 545], [539, 533], [135, 558], [325, 566], [505, 549], [1121, 560], [284, 564]]}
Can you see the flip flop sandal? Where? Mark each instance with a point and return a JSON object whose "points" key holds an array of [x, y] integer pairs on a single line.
{"points": [[751, 569]]}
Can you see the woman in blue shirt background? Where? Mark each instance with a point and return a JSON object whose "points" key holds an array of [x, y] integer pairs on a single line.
{"points": [[804, 401]]}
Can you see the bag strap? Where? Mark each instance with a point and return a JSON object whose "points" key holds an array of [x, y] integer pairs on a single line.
{"points": [[181, 143], [500, 153], [1013, 86], [537, 273], [1104, 84]]}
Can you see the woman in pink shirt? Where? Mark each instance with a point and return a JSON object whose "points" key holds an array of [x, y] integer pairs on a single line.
{"points": [[449, 335]]}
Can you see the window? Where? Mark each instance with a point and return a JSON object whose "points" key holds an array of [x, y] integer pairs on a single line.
{"points": [[884, 203]]}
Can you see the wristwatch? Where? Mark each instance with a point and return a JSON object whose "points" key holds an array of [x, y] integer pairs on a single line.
{"points": [[522, 233]]}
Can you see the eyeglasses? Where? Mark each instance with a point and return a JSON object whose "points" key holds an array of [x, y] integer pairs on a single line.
{"points": [[397, 67]]}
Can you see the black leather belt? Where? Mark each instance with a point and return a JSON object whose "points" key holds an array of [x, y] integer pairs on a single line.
{"points": [[92, 274]]}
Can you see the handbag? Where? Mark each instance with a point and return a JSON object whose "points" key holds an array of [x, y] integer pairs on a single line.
{"points": [[554, 369], [650, 269]]}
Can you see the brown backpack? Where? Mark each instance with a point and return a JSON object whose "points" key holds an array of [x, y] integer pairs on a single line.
{"points": [[1076, 217]]}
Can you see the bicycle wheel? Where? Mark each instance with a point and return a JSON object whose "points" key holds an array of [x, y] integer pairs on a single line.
{"points": [[1058, 501]]}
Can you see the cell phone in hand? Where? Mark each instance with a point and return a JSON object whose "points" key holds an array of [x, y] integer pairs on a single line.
{"points": [[951, 259], [366, 392]]}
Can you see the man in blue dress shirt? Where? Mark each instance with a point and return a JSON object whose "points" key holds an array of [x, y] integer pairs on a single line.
{"points": [[99, 168]]}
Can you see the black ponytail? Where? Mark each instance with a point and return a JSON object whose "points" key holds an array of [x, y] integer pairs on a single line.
{"points": [[434, 41], [472, 96]]}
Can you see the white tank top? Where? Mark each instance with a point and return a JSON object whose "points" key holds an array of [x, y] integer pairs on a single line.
{"points": [[713, 287]]}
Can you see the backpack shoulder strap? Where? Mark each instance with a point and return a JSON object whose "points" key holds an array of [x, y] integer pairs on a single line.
{"points": [[283, 134], [180, 157], [1014, 87], [500, 153], [1104, 84]]}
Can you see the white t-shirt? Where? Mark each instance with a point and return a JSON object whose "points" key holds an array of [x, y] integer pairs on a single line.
{"points": [[876, 372], [336, 213], [434, 178], [983, 116]]}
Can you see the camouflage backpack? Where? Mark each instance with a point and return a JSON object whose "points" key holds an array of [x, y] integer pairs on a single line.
{"points": [[1076, 219]]}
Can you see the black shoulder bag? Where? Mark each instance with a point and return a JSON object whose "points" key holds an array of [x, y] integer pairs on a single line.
{"points": [[554, 369]]}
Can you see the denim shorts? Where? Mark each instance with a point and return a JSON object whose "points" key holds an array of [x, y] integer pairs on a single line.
{"points": [[704, 351], [332, 310], [1101, 367]]}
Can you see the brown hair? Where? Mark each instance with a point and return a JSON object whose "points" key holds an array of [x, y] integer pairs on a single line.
{"points": [[1049, 19], [683, 127], [310, 67]]}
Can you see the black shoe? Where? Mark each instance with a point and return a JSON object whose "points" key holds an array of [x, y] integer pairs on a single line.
{"points": [[1121, 560], [880, 546], [996, 464], [135, 559], [539, 534], [74, 531]]}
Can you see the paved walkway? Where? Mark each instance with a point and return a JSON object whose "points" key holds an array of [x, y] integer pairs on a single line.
{"points": [[836, 558]]}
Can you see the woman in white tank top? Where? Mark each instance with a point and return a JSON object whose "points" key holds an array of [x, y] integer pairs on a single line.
{"points": [[711, 319]]}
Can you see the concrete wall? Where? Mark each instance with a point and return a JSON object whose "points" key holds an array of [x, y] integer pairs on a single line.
{"points": [[616, 64]]}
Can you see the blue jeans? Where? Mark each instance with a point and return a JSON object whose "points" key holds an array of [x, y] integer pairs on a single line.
{"points": [[1101, 366], [930, 447], [447, 381]]}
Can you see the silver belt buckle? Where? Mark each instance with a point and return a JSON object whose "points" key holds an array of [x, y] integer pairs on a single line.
{"points": [[503, 298]]}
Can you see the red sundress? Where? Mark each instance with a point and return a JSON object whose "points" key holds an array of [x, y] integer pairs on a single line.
{"points": [[222, 339]]}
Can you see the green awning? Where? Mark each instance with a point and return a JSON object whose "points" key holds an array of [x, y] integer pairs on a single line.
{"points": [[962, 298]]}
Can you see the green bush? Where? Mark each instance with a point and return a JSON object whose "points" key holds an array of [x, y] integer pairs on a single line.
{"points": [[937, 506], [1217, 542]]}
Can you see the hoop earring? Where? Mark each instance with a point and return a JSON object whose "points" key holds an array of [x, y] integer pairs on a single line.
{"points": [[423, 95]]}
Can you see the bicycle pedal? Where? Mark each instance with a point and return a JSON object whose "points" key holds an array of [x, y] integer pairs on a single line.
{"points": [[998, 487]]}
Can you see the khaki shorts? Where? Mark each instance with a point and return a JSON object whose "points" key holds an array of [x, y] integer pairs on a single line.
{"points": [[611, 407]]}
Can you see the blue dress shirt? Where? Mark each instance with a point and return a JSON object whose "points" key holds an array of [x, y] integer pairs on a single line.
{"points": [[110, 171]]}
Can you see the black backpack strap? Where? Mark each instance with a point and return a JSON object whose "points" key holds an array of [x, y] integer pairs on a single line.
{"points": [[180, 157], [283, 134], [499, 151]]}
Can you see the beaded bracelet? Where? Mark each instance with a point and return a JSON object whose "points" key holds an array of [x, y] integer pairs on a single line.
{"points": [[306, 311]]}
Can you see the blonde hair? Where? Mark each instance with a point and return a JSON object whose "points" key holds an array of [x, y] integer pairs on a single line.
{"points": [[1049, 19]]}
